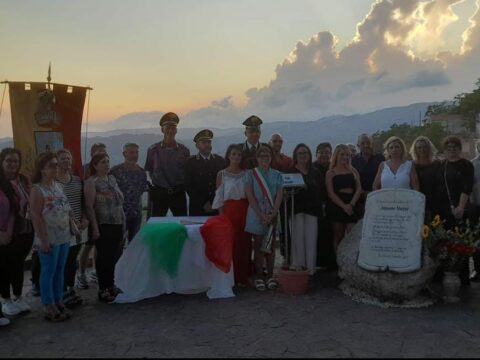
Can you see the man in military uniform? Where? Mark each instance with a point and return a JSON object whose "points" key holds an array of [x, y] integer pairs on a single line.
{"points": [[166, 165], [252, 143], [201, 174]]}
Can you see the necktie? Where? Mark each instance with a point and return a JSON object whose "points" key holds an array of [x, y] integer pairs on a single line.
{"points": [[253, 149]]}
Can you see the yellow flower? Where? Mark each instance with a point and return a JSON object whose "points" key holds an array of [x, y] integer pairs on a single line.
{"points": [[425, 231], [436, 221]]}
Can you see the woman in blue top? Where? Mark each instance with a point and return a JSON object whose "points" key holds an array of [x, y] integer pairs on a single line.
{"points": [[263, 187]]}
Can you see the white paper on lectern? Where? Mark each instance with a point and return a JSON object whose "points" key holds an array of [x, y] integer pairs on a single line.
{"points": [[293, 180]]}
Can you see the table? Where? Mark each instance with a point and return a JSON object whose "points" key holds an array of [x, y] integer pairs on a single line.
{"points": [[138, 280]]}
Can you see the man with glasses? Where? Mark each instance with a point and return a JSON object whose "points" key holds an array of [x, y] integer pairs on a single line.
{"points": [[166, 166]]}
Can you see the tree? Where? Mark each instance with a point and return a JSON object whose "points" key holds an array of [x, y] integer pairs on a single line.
{"points": [[435, 132], [469, 107]]}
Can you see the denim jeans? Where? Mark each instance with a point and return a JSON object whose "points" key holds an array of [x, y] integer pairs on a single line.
{"points": [[52, 273]]}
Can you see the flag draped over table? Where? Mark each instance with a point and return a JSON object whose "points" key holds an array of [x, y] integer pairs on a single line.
{"points": [[218, 235], [165, 242], [46, 118]]}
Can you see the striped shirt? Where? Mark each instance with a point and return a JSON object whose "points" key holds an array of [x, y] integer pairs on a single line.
{"points": [[74, 193]]}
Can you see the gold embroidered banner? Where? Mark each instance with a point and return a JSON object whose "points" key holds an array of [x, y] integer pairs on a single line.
{"points": [[46, 120]]}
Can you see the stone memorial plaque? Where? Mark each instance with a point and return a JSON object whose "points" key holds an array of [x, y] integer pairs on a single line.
{"points": [[391, 233]]}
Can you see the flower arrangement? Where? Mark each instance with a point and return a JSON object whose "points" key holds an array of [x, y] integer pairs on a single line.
{"points": [[451, 247]]}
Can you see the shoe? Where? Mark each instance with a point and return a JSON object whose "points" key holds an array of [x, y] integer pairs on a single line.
{"points": [[64, 311], [35, 290], [4, 321], [115, 291], [272, 284], [260, 285], [475, 278], [106, 296], [9, 308], [22, 305], [71, 299], [51, 313], [81, 281], [94, 277]]}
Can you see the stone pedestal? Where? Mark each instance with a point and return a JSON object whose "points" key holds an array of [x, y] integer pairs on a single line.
{"points": [[384, 287]]}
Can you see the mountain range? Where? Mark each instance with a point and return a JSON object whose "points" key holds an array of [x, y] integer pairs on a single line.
{"points": [[334, 129]]}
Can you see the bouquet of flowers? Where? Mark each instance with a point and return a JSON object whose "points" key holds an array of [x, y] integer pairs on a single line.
{"points": [[451, 247]]}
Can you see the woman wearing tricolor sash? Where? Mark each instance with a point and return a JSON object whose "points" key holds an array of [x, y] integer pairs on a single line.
{"points": [[263, 187]]}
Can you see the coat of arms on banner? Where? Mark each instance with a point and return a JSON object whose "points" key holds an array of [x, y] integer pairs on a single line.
{"points": [[44, 114]]}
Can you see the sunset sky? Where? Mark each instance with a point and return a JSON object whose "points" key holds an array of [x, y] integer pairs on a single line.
{"points": [[220, 60]]}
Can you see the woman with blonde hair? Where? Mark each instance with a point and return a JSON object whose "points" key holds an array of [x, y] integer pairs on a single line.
{"points": [[396, 172], [344, 189], [423, 153]]}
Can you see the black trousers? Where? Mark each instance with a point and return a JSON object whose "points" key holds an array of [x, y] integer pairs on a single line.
{"points": [[71, 266], [12, 260], [133, 226], [108, 252], [161, 200], [325, 249]]}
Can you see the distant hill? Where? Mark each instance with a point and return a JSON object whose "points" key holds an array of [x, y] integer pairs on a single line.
{"points": [[335, 129]]}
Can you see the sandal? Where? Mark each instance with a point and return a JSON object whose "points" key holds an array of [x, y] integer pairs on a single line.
{"points": [[64, 311], [260, 285], [106, 296], [54, 316], [272, 284]]}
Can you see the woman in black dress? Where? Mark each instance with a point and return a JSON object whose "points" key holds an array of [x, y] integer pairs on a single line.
{"points": [[453, 185], [344, 190], [423, 153]]}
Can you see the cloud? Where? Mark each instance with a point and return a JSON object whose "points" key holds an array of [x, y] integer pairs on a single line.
{"points": [[395, 58]]}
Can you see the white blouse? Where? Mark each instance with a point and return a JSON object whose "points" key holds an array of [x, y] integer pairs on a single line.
{"points": [[232, 188], [400, 180]]}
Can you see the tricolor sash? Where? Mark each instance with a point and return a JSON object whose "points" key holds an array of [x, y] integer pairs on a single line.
{"points": [[269, 237]]}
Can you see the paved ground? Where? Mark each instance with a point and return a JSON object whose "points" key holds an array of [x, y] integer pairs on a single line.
{"points": [[322, 323]]}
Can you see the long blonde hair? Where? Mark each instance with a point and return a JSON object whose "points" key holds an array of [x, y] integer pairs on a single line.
{"points": [[336, 153], [431, 148]]}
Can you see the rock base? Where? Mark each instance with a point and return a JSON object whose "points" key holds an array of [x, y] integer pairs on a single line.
{"points": [[381, 288]]}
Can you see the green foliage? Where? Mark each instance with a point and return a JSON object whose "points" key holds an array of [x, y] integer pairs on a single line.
{"points": [[442, 108], [465, 104], [435, 132], [469, 107]]}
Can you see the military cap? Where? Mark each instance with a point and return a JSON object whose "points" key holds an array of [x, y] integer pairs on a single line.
{"points": [[203, 135], [169, 118], [253, 122]]}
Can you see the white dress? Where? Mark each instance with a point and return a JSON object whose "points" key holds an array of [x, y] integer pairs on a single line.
{"points": [[232, 188], [400, 180]]}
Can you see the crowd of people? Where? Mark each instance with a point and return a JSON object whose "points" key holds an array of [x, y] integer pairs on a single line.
{"points": [[63, 217]]}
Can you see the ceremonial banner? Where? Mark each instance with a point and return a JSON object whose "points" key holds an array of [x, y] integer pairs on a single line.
{"points": [[46, 120]]}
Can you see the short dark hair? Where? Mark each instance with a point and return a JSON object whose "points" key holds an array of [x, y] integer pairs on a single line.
{"points": [[452, 139], [324, 145]]}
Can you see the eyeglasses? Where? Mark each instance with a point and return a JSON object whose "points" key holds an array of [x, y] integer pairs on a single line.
{"points": [[264, 156], [302, 153], [52, 165]]}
